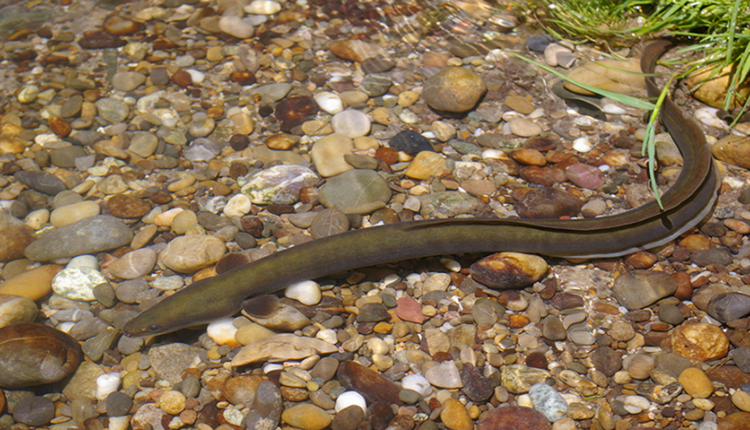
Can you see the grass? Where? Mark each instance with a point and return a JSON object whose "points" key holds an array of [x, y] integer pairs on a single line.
{"points": [[716, 34]]}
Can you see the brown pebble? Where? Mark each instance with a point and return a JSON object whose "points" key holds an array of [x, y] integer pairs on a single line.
{"points": [[182, 78], [508, 270], [296, 108], [530, 157], [121, 26], [128, 206], [641, 260], [519, 104]]}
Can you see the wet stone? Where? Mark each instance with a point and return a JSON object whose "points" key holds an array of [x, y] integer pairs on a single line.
{"points": [[549, 203], [128, 206], [729, 307], [476, 387], [118, 404], [127, 81], [88, 236], [373, 386], [296, 108], [641, 288], [66, 157], [704, 257], [34, 411], [606, 360], [356, 191], [513, 418], [454, 89], [671, 314], [112, 110], [41, 181], [410, 142], [375, 85]]}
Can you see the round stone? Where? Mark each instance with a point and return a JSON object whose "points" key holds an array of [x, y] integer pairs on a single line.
{"points": [[352, 123], [454, 89]]}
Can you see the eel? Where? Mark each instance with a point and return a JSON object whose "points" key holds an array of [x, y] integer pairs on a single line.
{"points": [[685, 204]]}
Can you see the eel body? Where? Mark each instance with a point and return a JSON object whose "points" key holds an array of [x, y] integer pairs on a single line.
{"points": [[684, 205]]}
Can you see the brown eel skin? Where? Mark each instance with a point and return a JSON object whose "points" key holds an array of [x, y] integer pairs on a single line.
{"points": [[685, 204]]}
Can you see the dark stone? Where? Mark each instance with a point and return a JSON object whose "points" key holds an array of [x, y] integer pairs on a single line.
{"points": [[514, 418], [40, 181], [373, 386], [410, 142], [548, 203], [537, 43], [476, 387], [118, 404], [729, 307], [34, 411], [704, 257], [606, 360]]}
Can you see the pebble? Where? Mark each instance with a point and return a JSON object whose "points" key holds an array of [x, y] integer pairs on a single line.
{"points": [[695, 382], [330, 103], [426, 165], [454, 89], [127, 81], [107, 384], [375, 85], [77, 283], [639, 289], [307, 292], [350, 398], [355, 191], [729, 307], [134, 264], [444, 375], [328, 154], [613, 75], [455, 416], [524, 127], [41, 181], [698, 341], [236, 26], [513, 418], [25, 346], [281, 347], [548, 203], [741, 399], [509, 270], [548, 401], [306, 417], [34, 411], [352, 123], [223, 332], [280, 184], [189, 253], [87, 236]]}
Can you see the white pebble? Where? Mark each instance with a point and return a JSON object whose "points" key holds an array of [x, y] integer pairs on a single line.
{"points": [[271, 367], [613, 109], [306, 292], [418, 383], [582, 144], [77, 283], [377, 345], [636, 404], [239, 205], [351, 123], [524, 401], [107, 384], [222, 332], [493, 154], [349, 398], [196, 76], [236, 26], [451, 264], [329, 102], [327, 335], [707, 115], [66, 326], [88, 261], [263, 7], [119, 423]]}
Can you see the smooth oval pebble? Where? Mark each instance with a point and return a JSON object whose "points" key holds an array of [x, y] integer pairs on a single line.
{"points": [[350, 398], [34, 354], [306, 417], [306, 292], [34, 411], [695, 382], [16, 310], [69, 214], [133, 264], [509, 270], [548, 401], [33, 284], [454, 89]]}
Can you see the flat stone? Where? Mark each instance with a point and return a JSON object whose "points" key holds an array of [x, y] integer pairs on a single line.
{"points": [[88, 236], [356, 191], [454, 89], [281, 347]]}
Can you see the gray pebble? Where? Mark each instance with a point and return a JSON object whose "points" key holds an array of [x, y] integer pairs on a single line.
{"points": [[741, 358], [105, 294], [34, 411], [128, 291], [190, 386], [670, 314], [118, 404], [375, 85], [40, 181], [88, 236]]}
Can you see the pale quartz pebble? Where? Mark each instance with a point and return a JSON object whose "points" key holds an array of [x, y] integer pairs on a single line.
{"points": [[350, 398], [408, 117], [165, 219], [263, 7], [196, 76], [272, 367], [451, 264], [707, 116], [493, 154], [582, 144], [306, 292], [66, 326], [107, 384], [236, 26], [239, 205], [704, 404], [36, 219], [81, 261], [412, 203], [613, 109], [418, 383], [377, 345], [77, 283], [636, 404], [327, 335], [28, 94], [536, 113], [524, 401], [222, 332], [351, 123], [329, 102], [119, 423]]}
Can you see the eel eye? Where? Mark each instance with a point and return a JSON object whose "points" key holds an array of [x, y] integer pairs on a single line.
{"points": [[154, 327]]}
